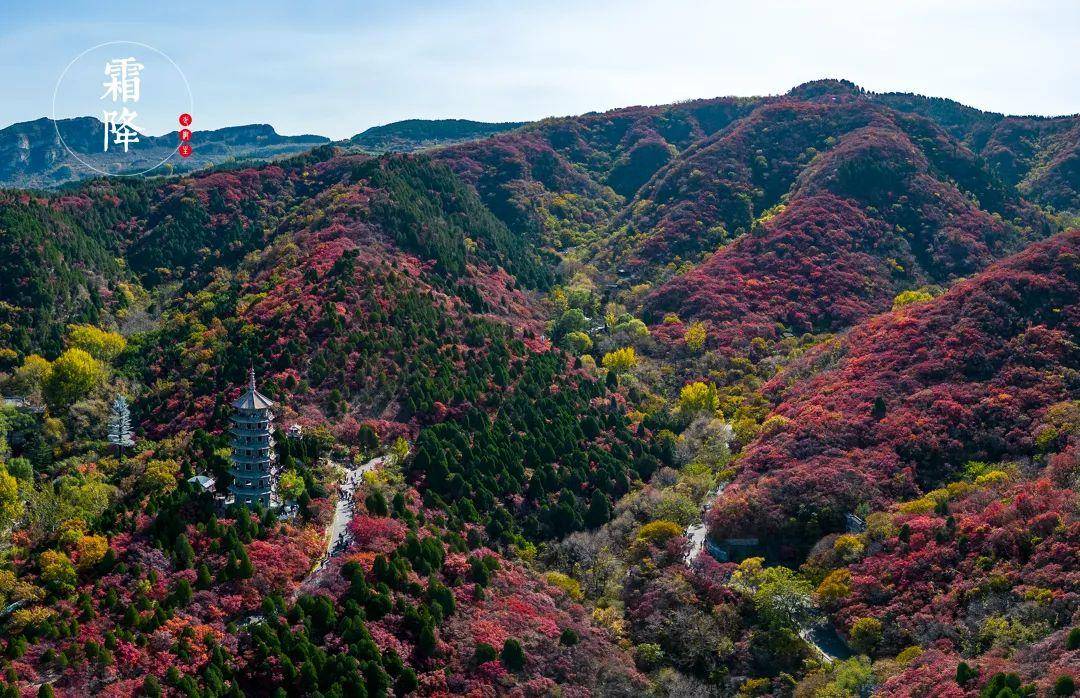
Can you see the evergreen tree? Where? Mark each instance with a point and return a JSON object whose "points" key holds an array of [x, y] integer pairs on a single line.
{"points": [[120, 426], [513, 657], [599, 510]]}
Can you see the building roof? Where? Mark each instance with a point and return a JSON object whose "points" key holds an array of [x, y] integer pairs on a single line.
{"points": [[252, 399], [202, 481]]}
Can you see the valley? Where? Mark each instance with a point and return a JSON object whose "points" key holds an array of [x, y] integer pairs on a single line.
{"points": [[609, 390]]}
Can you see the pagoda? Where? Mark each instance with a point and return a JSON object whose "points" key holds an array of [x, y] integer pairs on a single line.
{"points": [[254, 465]]}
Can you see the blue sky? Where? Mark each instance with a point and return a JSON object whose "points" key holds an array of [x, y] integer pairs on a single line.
{"points": [[335, 68]]}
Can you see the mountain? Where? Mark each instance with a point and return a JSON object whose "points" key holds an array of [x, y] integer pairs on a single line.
{"points": [[891, 204], [33, 156], [417, 134], [1038, 155], [537, 353], [566, 179]]}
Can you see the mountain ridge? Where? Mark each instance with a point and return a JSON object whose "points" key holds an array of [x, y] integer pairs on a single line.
{"points": [[550, 346], [33, 156]]}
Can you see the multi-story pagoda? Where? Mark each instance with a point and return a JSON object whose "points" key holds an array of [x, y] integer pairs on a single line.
{"points": [[254, 465]]}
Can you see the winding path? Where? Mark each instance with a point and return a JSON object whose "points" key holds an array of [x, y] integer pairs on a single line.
{"points": [[697, 533], [819, 634], [337, 531]]}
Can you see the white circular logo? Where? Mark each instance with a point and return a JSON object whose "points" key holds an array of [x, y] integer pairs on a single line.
{"points": [[134, 91]]}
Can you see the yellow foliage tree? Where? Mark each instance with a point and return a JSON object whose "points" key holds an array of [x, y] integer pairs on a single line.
{"points": [[849, 547], [90, 550], [905, 298], [57, 571], [835, 587], [102, 345], [33, 617], [14, 589], [291, 484], [565, 582], [11, 506], [31, 376], [695, 336], [620, 360], [865, 634], [695, 398], [399, 450], [560, 301], [160, 475], [579, 342], [658, 532], [74, 374]]}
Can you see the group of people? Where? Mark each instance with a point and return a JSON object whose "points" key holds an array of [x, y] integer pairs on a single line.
{"points": [[345, 499]]}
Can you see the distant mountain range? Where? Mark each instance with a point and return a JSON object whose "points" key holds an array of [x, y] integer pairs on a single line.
{"points": [[33, 156]]}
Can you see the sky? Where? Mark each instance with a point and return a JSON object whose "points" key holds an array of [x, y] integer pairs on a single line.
{"points": [[336, 68]]}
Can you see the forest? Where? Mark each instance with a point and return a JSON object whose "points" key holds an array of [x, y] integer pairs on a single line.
{"points": [[773, 396]]}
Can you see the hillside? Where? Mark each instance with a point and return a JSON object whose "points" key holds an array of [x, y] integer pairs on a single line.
{"points": [[33, 156], [1038, 155], [376, 299], [565, 179], [963, 377], [507, 374], [872, 216]]}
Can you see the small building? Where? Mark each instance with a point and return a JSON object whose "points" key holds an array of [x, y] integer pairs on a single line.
{"points": [[854, 524], [254, 463], [295, 431], [203, 483], [733, 549]]}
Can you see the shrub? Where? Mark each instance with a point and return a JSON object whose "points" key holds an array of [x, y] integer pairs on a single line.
{"points": [[1005, 686], [484, 653], [151, 688], [579, 342], [620, 360], [648, 655], [658, 532], [865, 634], [754, 687], [695, 336], [512, 656]]}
